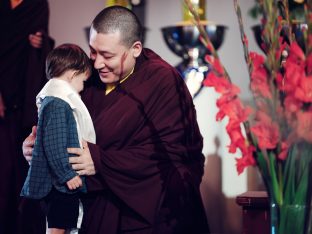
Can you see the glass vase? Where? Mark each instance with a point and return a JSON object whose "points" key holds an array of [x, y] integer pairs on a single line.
{"points": [[290, 219], [289, 189]]}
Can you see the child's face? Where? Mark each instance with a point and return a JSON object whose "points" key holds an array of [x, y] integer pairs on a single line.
{"points": [[78, 80]]}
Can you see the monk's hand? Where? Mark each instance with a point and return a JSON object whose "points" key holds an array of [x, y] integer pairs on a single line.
{"points": [[82, 163], [28, 144]]}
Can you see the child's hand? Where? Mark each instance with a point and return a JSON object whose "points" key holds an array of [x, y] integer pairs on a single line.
{"points": [[74, 183]]}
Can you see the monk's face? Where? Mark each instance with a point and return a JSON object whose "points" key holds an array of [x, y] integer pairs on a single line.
{"points": [[112, 59]]}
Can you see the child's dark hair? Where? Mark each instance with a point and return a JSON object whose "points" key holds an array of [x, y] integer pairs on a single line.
{"points": [[67, 57]]}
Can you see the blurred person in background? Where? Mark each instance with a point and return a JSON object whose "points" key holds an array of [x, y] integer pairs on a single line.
{"points": [[24, 44]]}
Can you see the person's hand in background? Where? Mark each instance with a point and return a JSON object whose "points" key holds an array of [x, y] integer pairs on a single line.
{"points": [[36, 40], [2, 107]]}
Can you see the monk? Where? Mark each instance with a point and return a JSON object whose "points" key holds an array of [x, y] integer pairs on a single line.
{"points": [[144, 172]]}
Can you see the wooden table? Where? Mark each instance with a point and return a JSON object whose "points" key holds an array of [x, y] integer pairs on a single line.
{"points": [[256, 212]]}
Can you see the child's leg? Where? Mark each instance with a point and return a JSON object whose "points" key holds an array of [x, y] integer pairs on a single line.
{"points": [[62, 211], [56, 231]]}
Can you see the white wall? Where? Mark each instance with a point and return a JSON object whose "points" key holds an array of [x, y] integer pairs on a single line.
{"points": [[69, 18]]}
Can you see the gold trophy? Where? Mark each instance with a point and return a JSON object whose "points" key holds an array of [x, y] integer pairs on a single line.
{"points": [[124, 3], [183, 40]]}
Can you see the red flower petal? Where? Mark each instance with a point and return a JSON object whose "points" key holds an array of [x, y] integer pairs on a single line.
{"points": [[266, 131]]}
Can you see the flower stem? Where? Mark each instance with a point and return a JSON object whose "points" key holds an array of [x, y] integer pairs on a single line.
{"points": [[204, 36], [243, 37]]}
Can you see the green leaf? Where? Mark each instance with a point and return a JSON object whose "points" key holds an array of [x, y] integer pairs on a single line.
{"points": [[263, 168], [275, 185], [290, 176]]}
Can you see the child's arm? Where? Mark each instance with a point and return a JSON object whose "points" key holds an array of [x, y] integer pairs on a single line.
{"points": [[74, 183], [55, 132]]}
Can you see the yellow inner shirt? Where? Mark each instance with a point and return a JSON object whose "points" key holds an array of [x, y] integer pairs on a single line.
{"points": [[111, 87]]}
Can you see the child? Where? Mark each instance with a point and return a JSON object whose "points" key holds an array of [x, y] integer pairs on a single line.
{"points": [[63, 122]]}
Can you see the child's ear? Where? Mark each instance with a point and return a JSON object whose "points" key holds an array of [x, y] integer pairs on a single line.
{"points": [[72, 74]]}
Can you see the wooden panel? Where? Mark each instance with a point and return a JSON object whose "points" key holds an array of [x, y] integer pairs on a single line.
{"points": [[256, 212]]}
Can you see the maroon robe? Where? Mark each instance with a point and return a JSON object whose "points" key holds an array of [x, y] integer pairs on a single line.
{"points": [[22, 75], [148, 155]]}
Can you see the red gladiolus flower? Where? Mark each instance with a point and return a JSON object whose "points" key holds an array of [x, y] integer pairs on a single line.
{"points": [[303, 91], [218, 66], [220, 84], [229, 96], [309, 63], [259, 83], [266, 131], [296, 54], [280, 81], [278, 138], [304, 125], [209, 47], [292, 105], [257, 60], [215, 64], [235, 110], [209, 59], [237, 139], [246, 160], [282, 47], [293, 74], [245, 40], [284, 151]]}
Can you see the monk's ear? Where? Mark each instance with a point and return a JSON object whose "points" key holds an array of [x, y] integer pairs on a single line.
{"points": [[136, 49]]}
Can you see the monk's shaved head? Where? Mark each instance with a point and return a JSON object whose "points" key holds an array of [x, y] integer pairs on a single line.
{"points": [[119, 19]]}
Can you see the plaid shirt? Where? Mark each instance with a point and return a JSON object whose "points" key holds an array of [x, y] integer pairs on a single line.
{"points": [[57, 130]]}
